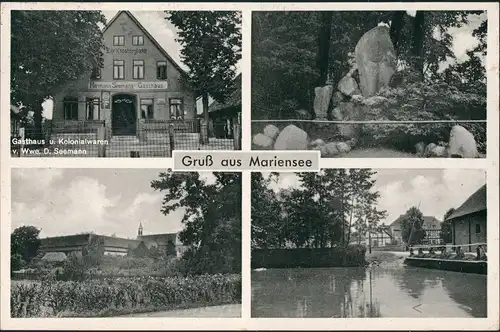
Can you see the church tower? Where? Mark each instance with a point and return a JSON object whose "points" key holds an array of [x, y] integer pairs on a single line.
{"points": [[139, 231]]}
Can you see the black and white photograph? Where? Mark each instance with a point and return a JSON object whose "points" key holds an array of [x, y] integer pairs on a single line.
{"points": [[352, 243], [86, 243], [124, 84], [370, 84]]}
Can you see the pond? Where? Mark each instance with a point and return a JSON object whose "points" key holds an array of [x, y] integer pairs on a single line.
{"points": [[367, 292]]}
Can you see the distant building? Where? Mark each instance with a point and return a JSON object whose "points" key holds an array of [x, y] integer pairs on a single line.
{"points": [[431, 225], [223, 116], [379, 238], [469, 221], [112, 245]]}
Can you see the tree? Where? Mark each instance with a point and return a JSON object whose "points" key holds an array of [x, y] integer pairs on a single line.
{"points": [[49, 49], [211, 48], [411, 226], [141, 250], [93, 252], [24, 241], [170, 249], [446, 233], [212, 218]]}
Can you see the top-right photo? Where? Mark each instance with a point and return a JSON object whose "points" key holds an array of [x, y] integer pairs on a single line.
{"points": [[354, 84]]}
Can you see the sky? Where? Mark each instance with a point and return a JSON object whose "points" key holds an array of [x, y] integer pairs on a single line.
{"points": [[104, 201], [434, 191]]}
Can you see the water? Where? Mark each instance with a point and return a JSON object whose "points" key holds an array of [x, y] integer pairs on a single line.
{"points": [[367, 292]]}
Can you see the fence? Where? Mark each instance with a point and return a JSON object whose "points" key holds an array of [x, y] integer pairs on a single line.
{"points": [[396, 134], [149, 138]]}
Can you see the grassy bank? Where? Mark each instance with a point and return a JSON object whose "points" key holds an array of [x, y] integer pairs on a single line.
{"points": [[120, 296]]}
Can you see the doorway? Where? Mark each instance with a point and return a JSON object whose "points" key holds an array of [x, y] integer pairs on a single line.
{"points": [[123, 115]]}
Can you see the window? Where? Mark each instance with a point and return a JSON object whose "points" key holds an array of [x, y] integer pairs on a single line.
{"points": [[118, 69], [478, 228], [176, 109], [96, 73], [92, 109], [118, 40], [161, 70], [147, 111], [138, 69], [70, 108], [137, 40]]}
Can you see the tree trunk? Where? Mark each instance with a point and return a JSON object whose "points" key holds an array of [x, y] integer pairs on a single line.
{"points": [[418, 42], [350, 222], [205, 133], [324, 46], [397, 23]]}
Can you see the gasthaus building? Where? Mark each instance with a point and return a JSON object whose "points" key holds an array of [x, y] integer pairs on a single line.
{"points": [[136, 93]]}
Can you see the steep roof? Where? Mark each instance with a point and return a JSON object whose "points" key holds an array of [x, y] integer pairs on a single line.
{"points": [[132, 17], [475, 203], [233, 100], [54, 257]]}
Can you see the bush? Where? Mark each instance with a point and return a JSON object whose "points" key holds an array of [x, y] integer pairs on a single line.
{"points": [[16, 262], [115, 296]]}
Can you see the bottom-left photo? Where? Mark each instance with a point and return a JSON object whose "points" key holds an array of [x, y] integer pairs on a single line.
{"points": [[125, 243]]}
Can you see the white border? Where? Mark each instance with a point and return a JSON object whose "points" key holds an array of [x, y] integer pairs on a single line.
{"points": [[490, 164]]}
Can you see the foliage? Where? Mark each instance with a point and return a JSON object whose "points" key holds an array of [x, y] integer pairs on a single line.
{"points": [[24, 241], [93, 252], [446, 228], [212, 218], [320, 213], [424, 101], [170, 249], [74, 267], [141, 250], [411, 226], [49, 49], [211, 48], [117, 296], [16, 262]]}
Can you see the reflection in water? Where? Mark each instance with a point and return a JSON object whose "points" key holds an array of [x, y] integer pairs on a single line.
{"points": [[367, 292]]}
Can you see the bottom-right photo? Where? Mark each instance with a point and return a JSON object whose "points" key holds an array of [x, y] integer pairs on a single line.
{"points": [[351, 243]]}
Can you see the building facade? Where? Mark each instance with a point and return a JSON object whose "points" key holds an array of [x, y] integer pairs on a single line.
{"points": [[112, 245], [137, 90], [469, 221], [379, 238], [431, 225]]}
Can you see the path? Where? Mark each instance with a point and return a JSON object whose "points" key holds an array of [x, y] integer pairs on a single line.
{"points": [[226, 311]]}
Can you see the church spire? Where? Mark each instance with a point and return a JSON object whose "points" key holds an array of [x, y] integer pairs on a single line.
{"points": [[139, 231]]}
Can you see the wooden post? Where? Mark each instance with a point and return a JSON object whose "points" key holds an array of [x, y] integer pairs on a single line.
{"points": [[171, 135], [101, 135], [237, 136], [203, 132]]}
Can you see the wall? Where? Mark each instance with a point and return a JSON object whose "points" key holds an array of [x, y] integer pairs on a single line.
{"points": [[460, 230]]}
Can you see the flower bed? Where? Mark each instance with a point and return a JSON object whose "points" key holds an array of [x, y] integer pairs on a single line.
{"points": [[118, 296]]}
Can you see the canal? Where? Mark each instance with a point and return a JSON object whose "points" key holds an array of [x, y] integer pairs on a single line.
{"points": [[394, 290]]}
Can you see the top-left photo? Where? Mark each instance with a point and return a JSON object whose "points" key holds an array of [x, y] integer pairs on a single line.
{"points": [[124, 84]]}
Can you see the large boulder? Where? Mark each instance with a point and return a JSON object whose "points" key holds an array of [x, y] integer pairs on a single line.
{"points": [[271, 131], [433, 150], [462, 143], [375, 60], [262, 141], [348, 86], [322, 96], [291, 138]]}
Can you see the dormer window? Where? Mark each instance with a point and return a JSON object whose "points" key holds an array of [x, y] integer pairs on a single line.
{"points": [[137, 40], [118, 40]]}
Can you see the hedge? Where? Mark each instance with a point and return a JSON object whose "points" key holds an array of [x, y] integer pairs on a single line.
{"points": [[118, 296]]}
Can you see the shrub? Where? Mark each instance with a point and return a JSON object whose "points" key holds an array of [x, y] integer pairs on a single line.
{"points": [[121, 295]]}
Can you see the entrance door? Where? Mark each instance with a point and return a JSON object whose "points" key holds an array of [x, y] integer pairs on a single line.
{"points": [[124, 115]]}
